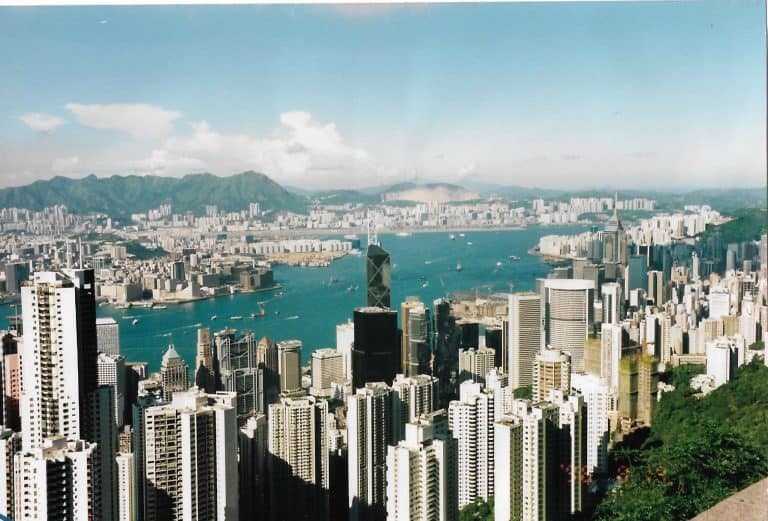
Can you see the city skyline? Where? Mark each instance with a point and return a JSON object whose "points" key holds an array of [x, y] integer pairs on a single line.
{"points": [[549, 95]]}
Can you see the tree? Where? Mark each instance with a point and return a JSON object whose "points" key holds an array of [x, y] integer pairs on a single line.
{"points": [[479, 510]]}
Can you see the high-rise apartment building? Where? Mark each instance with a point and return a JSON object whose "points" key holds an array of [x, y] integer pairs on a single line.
{"points": [[610, 353], [369, 432], [422, 483], [599, 402], [252, 466], [525, 337], [190, 458], [471, 420], [508, 468], [327, 369], [127, 508], [613, 303], [10, 445], [656, 289], [551, 371], [112, 373], [412, 397], [298, 459], [638, 387], [569, 313], [416, 350], [474, 364], [345, 337]]}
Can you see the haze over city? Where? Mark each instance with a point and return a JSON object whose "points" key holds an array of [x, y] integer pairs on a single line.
{"points": [[626, 95]]}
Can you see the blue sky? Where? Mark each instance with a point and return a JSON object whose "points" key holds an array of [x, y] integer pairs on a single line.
{"points": [[580, 95]]}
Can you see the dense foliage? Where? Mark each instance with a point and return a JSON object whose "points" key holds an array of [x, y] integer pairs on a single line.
{"points": [[478, 511], [747, 225], [524, 392], [698, 452]]}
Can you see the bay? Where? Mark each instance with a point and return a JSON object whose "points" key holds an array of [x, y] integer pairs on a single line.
{"points": [[309, 305]]}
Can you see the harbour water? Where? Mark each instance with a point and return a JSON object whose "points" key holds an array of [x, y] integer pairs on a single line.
{"points": [[312, 301]]}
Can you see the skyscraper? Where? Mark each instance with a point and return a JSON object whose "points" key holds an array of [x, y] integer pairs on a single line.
{"points": [[551, 370], [238, 370], [416, 351], [474, 364], [378, 277], [127, 508], [613, 303], [252, 466], [327, 368], [190, 458], [638, 272], [369, 432], [614, 241], [174, 373], [376, 350], [446, 364], [112, 373], [108, 336], [422, 482], [656, 287], [471, 420], [568, 316], [298, 459], [10, 445], [526, 337], [411, 398], [598, 400], [267, 358], [345, 337], [289, 366], [205, 372], [508, 468]]}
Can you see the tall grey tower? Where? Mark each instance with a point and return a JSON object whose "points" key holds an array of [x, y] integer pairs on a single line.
{"points": [[378, 287]]}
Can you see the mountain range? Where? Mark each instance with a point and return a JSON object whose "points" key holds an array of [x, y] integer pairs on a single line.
{"points": [[120, 196]]}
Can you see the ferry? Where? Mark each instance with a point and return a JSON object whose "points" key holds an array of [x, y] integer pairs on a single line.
{"points": [[352, 288], [294, 317], [514, 258], [452, 237], [236, 317], [403, 234], [427, 262], [498, 264], [259, 313], [214, 317], [458, 267], [461, 235], [469, 243], [159, 307]]}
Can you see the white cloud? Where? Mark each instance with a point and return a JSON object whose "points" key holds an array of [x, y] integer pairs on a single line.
{"points": [[137, 119], [65, 164], [301, 150], [41, 122]]}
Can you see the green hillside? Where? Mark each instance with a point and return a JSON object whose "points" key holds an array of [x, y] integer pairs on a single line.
{"points": [[747, 225], [119, 196]]}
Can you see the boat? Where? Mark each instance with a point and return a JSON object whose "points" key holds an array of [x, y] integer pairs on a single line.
{"points": [[452, 237], [160, 307], [427, 262], [134, 321], [352, 288], [236, 317], [461, 235], [458, 267], [514, 258], [403, 234], [498, 264], [294, 317], [259, 313], [469, 243], [214, 317], [425, 285], [277, 312]]}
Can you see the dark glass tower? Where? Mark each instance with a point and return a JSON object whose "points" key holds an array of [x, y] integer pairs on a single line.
{"points": [[447, 338], [378, 271], [376, 349]]}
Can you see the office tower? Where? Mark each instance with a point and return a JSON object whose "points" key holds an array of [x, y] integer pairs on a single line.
{"points": [[656, 287], [722, 360], [134, 373], [297, 460], [327, 368], [719, 302], [108, 336], [54, 481], [252, 466], [174, 373], [638, 387], [190, 458], [508, 469], [610, 347], [345, 337], [112, 373], [695, 266], [421, 473], [10, 445], [205, 372], [614, 241], [268, 359], [568, 316], [10, 378], [613, 303], [15, 274], [416, 350], [471, 420], [666, 263], [446, 364], [598, 400], [237, 367], [526, 338], [378, 277], [289, 366], [177, 270], [376, 350], [474, 364], [637, 277], [551, 371], [470, 333], [411, 398], [127, 508], [369, 432]]}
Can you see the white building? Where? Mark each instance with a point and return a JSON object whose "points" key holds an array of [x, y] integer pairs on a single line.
{"points": [[54, 481], [526, 336], [722, 360], [551, 370], [369, 432], [570, 313], [421, 473], [191, 446], [126, 487], [719, 302], [108, 336], [610, 347], [327, 368], [613, 303], [599, 402], [508, 469], [345, 337], [412, 397], [474, 364], [471, 420]]}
